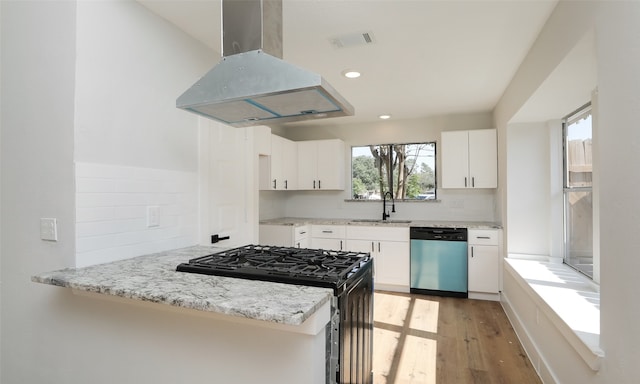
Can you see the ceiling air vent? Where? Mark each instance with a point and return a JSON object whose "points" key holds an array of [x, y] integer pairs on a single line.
{"points": [[352, 40]]}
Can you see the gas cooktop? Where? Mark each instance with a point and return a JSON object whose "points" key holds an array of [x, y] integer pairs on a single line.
{"points": [[316, 267]]}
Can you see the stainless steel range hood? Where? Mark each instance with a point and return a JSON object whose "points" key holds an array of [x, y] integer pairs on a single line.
{"points": [[252, 85]]}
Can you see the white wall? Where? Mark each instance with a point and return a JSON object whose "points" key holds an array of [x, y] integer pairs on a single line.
{"points": [[125, 118], [38, 70], [133, 148], [0, 194], [111, 211], [470, 205], [617, 36], [529, 197], [569, 23], [131, 67]]}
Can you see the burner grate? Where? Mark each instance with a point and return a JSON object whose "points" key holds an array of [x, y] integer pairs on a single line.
{"points": [[281, 264]]}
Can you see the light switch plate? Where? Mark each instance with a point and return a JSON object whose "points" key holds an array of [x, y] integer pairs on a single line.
{"points": [[153, 216], [48, 229]]}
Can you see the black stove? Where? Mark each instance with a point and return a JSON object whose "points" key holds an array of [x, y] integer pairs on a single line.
{"points": [[350, 274], [315, 267]]}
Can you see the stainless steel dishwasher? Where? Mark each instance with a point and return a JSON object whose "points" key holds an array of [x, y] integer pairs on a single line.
{"points": [[439, 261]]}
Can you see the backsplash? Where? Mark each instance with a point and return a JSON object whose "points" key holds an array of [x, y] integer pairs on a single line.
{"points": [[112, 207], [452, 205]]}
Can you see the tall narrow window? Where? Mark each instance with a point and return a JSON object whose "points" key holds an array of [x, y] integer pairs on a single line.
{"points": [[578, 195]]}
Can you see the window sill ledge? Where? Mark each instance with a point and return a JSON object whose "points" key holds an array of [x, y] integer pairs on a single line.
{"points": [[567, 298]]}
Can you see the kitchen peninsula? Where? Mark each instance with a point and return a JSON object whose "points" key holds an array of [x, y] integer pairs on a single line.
{"points": [[248, 319]]}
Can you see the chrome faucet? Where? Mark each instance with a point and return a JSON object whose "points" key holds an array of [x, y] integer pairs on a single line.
{"points": [[384, 205]]}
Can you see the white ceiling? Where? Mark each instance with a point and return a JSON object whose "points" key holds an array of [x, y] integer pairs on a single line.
{"points": [[428, 58]]}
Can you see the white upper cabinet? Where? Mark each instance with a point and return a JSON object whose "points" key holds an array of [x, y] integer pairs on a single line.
{"points": [[281, 167], [321, 164], [469, 159]]}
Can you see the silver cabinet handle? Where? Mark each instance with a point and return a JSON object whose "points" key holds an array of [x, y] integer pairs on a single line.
{"points": [[341, 245], [473, 182], [378, 246], [274, 183], [286, 185], [465, 182], [472, 252], [483, 237], [325, 231], [372, 246]]}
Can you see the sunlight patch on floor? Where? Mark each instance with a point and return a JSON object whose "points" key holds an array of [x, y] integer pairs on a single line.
{"points": [[396, 308], [418, 362], [383, 357], [425, 315]]}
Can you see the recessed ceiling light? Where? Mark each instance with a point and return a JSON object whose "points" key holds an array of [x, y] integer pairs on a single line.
{"points": [[351, 74], [385, 117]]}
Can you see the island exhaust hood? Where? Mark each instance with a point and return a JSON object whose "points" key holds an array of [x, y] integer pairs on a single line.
{"points": [[252, 85]]}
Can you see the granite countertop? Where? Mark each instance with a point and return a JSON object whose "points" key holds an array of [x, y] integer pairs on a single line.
{"points": [[297, 221], [153, 278]]}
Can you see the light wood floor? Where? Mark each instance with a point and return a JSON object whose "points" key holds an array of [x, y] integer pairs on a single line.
{"points": [[439, 340]]}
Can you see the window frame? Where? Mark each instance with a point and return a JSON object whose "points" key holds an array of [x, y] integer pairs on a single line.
{"points": [[567, 189], [432, 143]]}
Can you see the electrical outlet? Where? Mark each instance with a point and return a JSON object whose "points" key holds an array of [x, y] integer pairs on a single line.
{"points": [[48, 229], [153, 216]]}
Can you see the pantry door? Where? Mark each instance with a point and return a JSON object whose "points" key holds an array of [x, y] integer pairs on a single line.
{"points": [[228, 184]]}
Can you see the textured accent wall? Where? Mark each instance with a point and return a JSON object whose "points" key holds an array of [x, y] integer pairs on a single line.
{"points": [[111, 211]]}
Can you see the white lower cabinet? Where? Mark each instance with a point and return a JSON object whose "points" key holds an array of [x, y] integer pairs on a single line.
{"points": [[301, 237], [389, 247], [484, 263], [284, 235], [329, 237]]}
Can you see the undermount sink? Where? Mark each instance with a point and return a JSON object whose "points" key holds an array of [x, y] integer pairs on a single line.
{"points": [[381, 221]]}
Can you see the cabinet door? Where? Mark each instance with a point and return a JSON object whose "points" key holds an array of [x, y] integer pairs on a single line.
{"points": [[278, 235], [365, 246], [301, 237], [303, 243], [277, 155], [455, 159], [327, 244], [483, 158], [484, 268], [307, 164], [290, 164], [392, 263], [330, 164]]}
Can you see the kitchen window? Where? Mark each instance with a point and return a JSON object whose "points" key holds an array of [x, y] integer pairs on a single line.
{"points": [[578, 194], [407, 170]]}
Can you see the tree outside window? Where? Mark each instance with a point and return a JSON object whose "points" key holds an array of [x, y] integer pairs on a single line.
{"points": [[406, 170]]}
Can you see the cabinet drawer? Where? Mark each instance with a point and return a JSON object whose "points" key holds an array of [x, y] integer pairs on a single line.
{"points": [[328, 231], [369, 232], [301, 232], [483, 237]]}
